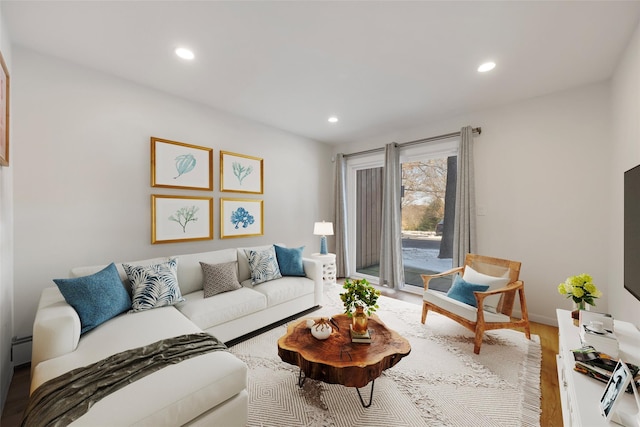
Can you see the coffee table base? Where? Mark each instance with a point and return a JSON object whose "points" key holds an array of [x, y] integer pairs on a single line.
{"points": [[302, 378]]}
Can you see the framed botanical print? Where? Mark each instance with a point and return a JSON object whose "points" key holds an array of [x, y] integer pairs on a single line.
{"points": [[181, 218], [179, 165], [241, 218], [4, 113], [240, 173]]}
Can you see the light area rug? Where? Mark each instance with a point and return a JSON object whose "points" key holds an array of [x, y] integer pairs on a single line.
{"points": [[440, 383]]}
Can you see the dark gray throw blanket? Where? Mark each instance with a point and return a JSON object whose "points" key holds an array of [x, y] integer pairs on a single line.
{"points": [[66, 398]]}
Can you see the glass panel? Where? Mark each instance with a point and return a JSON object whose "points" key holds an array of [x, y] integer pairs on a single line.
{"points": [[428, 206], [368, 221]]}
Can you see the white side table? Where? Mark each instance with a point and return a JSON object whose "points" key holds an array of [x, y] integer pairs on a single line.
{"points": [[328, 266]]}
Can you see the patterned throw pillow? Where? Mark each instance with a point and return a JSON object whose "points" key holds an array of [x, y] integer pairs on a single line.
{"points": [[290, 261], [96, 298], [219, 278], [154, 285], [263, 265]]}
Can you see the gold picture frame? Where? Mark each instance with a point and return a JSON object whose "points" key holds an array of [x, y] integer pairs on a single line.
{"points": [[240, 173], [181, 218], [4, 113], [241, 218], [180, 165]]}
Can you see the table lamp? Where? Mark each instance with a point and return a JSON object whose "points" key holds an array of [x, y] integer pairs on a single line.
{"points": [[323, 229]]}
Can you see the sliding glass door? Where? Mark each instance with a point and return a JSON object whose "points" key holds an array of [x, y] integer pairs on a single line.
{"points": [[428, 206]]}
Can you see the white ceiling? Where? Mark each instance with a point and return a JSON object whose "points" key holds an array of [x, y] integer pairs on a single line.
{"points": [[378, 66]]}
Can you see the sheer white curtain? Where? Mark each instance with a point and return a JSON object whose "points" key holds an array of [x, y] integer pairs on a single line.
{"points": [[464, 234], [391, 267], [342, 259]]}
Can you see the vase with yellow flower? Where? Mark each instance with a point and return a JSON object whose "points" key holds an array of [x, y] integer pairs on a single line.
{"points": [[582, 291]]}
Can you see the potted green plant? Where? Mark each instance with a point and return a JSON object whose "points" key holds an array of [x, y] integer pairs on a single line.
{"points": [[359, 296]]}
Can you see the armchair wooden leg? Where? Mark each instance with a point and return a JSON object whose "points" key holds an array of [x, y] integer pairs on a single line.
{"points": [[478, 340], [424, 312], [525, 313]]}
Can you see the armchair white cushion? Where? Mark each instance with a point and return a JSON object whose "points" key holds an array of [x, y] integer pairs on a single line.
{"points": [[467, 311]]}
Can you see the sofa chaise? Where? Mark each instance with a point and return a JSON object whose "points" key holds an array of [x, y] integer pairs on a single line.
{"points": [[207, 389]]}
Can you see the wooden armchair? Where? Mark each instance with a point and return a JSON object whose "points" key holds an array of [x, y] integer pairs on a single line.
{"points": [[475, 319]]}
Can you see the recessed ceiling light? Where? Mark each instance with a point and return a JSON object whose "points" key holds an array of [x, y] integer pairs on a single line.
{"points": [[487, 66], [185, 53], [333, 119]]}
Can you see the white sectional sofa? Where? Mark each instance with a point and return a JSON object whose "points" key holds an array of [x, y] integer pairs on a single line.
{"points": [[208, 389]]}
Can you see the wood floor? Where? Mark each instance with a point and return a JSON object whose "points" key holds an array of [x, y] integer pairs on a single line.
{"points": [[551, 411]]}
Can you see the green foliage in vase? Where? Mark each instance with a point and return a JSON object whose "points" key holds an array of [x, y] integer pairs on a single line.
{"points": [[184, 216], [359, 292]]}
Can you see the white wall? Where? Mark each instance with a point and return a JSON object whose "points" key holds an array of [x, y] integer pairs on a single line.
{"points": [[6, 243], [541, 176], [625, 146], [82, 173]]}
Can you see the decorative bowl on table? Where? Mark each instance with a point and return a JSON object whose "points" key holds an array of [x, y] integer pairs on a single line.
{"points": [[321, 329]]}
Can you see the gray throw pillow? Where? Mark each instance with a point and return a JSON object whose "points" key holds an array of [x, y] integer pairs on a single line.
{"points": [[219, 278]]}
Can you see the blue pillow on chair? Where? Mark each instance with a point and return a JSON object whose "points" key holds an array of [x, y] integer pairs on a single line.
{"points": [[462, 291], [96, 298], [290, 261]]}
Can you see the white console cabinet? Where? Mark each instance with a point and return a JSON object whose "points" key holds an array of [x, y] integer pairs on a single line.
{"points": [[579, 394]]}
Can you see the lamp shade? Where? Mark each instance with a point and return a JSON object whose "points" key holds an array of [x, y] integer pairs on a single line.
{"points": [[323, 228]]}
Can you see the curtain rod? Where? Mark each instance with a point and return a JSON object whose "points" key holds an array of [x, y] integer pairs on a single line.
{"points": [[477, 130]]}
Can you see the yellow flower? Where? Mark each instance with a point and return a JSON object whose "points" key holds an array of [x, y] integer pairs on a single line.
{"points": [[562, 289], [580, 288], [591, 288], [578, 292]]}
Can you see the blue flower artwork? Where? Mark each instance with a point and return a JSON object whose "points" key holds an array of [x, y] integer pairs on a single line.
{"points": [[241, 217]]}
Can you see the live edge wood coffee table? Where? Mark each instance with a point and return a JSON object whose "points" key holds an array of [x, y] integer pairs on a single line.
{"points": [[337, 360]]}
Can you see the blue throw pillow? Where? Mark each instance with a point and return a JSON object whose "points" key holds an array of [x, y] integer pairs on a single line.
{"points": [[462, 291], [290, 261], [96, 298]]}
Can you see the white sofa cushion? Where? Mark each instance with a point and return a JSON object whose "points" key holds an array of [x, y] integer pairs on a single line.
{"points": [[174, 395], [285, 289], [209, 312], [461, 309]]}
